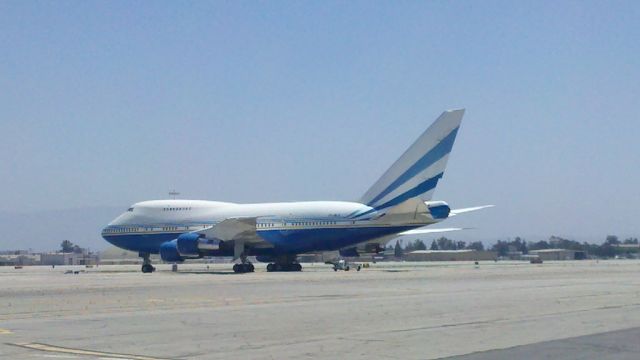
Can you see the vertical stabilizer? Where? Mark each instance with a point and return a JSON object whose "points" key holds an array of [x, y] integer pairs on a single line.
{"points": [[417, 171]]}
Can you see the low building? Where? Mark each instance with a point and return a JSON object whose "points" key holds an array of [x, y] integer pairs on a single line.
{"points": [[558, 254], [68, 259], [451, 255], [20, 259]]}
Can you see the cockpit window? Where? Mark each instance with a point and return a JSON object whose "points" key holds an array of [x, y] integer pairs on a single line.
{"points": [[130, 209]]}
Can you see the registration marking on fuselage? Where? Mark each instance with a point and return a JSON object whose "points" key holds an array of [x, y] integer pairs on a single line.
{"points": [[66, 350]]}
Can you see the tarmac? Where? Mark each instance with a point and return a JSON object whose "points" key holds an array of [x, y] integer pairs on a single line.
{"points": [[505, 310]]}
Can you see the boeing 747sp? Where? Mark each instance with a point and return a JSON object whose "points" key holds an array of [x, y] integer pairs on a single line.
{"points": [[399, 203]]}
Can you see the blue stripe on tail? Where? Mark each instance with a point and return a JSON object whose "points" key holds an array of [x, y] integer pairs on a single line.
{"points": [[432, 156], [416, 191]]}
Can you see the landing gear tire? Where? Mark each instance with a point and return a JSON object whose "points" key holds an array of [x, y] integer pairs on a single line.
{"points": [[243, 268], [146, 263]]}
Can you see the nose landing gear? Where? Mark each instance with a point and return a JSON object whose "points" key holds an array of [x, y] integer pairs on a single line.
{"points": [[146, 263]]}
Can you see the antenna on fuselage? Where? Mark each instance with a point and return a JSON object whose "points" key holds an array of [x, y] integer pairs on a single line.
{"points": [[174, 193]]}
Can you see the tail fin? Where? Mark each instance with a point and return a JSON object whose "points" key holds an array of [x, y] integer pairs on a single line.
{"points": [[417, 171]]}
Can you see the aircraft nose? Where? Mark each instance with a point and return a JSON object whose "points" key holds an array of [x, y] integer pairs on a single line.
{"points": [[105, 232]]}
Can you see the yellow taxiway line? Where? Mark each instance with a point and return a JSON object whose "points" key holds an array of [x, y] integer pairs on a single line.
{"points": [[66, 350]]}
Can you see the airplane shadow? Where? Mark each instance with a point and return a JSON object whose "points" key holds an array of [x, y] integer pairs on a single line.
{"points": [[207, 272]]}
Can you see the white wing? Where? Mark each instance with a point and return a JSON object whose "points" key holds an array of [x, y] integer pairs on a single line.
{"points": [[429, 231], [234, 229]]}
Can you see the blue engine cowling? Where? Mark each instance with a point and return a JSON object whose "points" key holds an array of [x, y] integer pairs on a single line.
{"points": [[439, 210], [169, 251], [187, 246]]}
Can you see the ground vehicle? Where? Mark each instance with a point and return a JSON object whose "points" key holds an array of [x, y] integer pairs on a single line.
{"points": [[343, 265]]}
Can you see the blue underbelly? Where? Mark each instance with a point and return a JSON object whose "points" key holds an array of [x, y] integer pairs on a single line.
{"points": [[325, 239], [294, 241], [141, 242]]}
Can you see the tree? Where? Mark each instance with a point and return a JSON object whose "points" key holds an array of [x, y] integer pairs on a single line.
{"points": [[476, 245], [501, 247], [419, 245], [612, 240], [434, 245], [66, 246], [397, 250], [631, 241], [520, 244], [540, 245], [446, 244], [460, 245], [606, 250]]}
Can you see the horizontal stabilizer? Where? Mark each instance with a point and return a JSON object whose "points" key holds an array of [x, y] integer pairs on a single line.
{"points": [[455, 212], [421, 231]]}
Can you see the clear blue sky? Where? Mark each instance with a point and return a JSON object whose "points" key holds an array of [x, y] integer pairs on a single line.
{"points": [[108, 103]]}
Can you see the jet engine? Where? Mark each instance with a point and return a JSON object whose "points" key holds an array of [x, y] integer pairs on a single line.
{"points": [[187, 246], [439, 210]]}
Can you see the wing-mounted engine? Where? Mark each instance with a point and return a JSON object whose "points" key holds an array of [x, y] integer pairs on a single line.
{"points": [[221, 236], [188, 246]]}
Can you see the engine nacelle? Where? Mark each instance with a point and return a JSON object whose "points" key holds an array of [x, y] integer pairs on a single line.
{"points": [[187, 246], [439, 210], [169, 251]]}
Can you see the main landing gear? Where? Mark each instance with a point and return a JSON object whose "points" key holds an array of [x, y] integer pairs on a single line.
{"points": [[239, 253], [243, 268], [284, 267], [146, 263], [284, 263]]}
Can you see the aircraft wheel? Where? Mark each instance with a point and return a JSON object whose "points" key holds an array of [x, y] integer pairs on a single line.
{"points": [[237, 268], [297, 267], [346, 268], [249, 267], [148, 268], [271, 267]]}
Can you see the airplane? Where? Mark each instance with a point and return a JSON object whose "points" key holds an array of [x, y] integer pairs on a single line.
{"points": [[397, 204]]}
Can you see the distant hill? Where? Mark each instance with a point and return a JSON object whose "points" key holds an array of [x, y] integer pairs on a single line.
{"points": [[45, 230]]}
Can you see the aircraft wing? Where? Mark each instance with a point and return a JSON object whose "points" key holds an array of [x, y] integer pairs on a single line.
{"points": [[233, 229], [428, 231], [455, 212]]}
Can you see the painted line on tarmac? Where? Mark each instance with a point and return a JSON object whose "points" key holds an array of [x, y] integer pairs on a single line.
{"points": [[5, 332], [66, 350]]}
